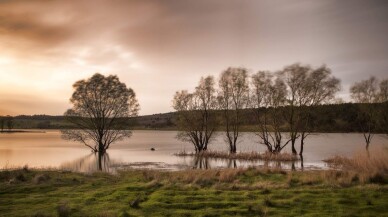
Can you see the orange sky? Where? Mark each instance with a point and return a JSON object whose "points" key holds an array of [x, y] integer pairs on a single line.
{"points": [[159, 47]]}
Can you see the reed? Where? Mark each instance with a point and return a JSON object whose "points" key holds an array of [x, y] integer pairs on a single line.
{"points": [[248, 156], [367, 166]]}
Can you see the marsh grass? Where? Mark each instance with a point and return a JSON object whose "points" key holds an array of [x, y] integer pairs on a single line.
{"points": [[247, 156], [216, 192], [367, 166]]}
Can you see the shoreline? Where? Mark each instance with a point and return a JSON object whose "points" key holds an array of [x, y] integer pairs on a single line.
{"points": [[43, 130], [23, 131]]}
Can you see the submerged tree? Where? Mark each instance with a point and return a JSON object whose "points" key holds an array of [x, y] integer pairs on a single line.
{"points": [[233, 97], [366, 94], [268, 96], [319, 87], [101, 106], [196, 119], [294, 76], [306, 87], [372, 97]]}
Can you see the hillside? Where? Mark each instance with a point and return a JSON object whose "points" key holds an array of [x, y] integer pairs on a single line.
{"points": [[328, 118]]}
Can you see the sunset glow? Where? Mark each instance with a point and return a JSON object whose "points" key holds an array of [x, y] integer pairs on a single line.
{"points": [[158, 47]]}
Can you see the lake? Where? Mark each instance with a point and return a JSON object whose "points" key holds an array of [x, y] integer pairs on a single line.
{"points": [[47, 149]]}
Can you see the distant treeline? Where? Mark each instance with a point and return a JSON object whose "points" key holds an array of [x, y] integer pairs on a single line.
{"points": [[327, 118]]}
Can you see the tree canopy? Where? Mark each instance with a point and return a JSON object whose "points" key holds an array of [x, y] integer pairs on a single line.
{"points": [[101, 105]]}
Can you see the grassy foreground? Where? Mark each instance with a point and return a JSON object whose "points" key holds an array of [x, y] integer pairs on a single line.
{"points": [[228, 192]]}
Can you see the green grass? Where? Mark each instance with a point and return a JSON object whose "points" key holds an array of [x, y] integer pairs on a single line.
{"points": [[189, 193]]}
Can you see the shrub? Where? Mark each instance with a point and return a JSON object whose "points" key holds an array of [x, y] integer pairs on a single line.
{"points": [[40, 178], [63, 210]]}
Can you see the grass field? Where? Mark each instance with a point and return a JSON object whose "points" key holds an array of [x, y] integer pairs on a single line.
{"points": [[229, 192]]}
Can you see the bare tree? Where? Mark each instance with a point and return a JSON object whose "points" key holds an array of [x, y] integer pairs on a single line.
{"points": [[196, 114], [295, 76], [208, 104], [319, 87], [366, 94], [267, 99], [233, 97], [101, 107], [306, 87]]}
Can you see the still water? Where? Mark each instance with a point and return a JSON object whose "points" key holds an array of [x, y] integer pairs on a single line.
{"points": [[47, 149]]}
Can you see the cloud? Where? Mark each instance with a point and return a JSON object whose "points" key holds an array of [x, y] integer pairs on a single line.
{"points": [[158, 47]]}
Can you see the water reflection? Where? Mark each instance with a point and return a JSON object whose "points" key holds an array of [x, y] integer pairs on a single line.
{"points": [[102, 162], [232, 162], [48, 150], [90, 163], [201, 162]]}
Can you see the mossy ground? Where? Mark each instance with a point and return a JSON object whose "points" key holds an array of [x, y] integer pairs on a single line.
{"points": [[190, 193]]}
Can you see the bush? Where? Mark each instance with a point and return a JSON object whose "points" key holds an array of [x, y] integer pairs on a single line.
{"points": [[40, 178], [63, 210]]}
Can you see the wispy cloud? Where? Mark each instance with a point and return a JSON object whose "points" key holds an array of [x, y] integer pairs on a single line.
{"points": [[158, 47]]}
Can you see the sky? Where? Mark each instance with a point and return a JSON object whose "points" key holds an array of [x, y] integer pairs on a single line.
{"points": [[159, 47]]}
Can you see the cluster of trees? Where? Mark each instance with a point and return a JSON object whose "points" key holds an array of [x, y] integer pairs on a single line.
{"points": [[6, 123], [372, 98], [276, 100], [290, 100]]}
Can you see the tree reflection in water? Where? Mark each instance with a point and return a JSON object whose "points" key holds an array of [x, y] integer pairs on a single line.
{"points": [[202, 162], [102, 162], [90, 163], [232, 163]]}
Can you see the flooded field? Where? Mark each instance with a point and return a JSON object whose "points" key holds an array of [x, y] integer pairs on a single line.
{"points": [[48, 150]]}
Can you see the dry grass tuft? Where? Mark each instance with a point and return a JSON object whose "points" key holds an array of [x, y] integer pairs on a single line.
{"points": [[248, 156], [229, 175], [369, 166], [221, 179], [341, 178]]}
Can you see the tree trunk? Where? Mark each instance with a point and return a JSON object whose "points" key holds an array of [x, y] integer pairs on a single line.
{"points": [[233, 149], [301, 162], [205, 146], [367, 140], [101, 148], [99, 161], [301, 146], [293, 146]]}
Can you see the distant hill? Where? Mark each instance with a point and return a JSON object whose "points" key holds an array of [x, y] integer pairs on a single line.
{"points": [[155, 121], [329, 118]]}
